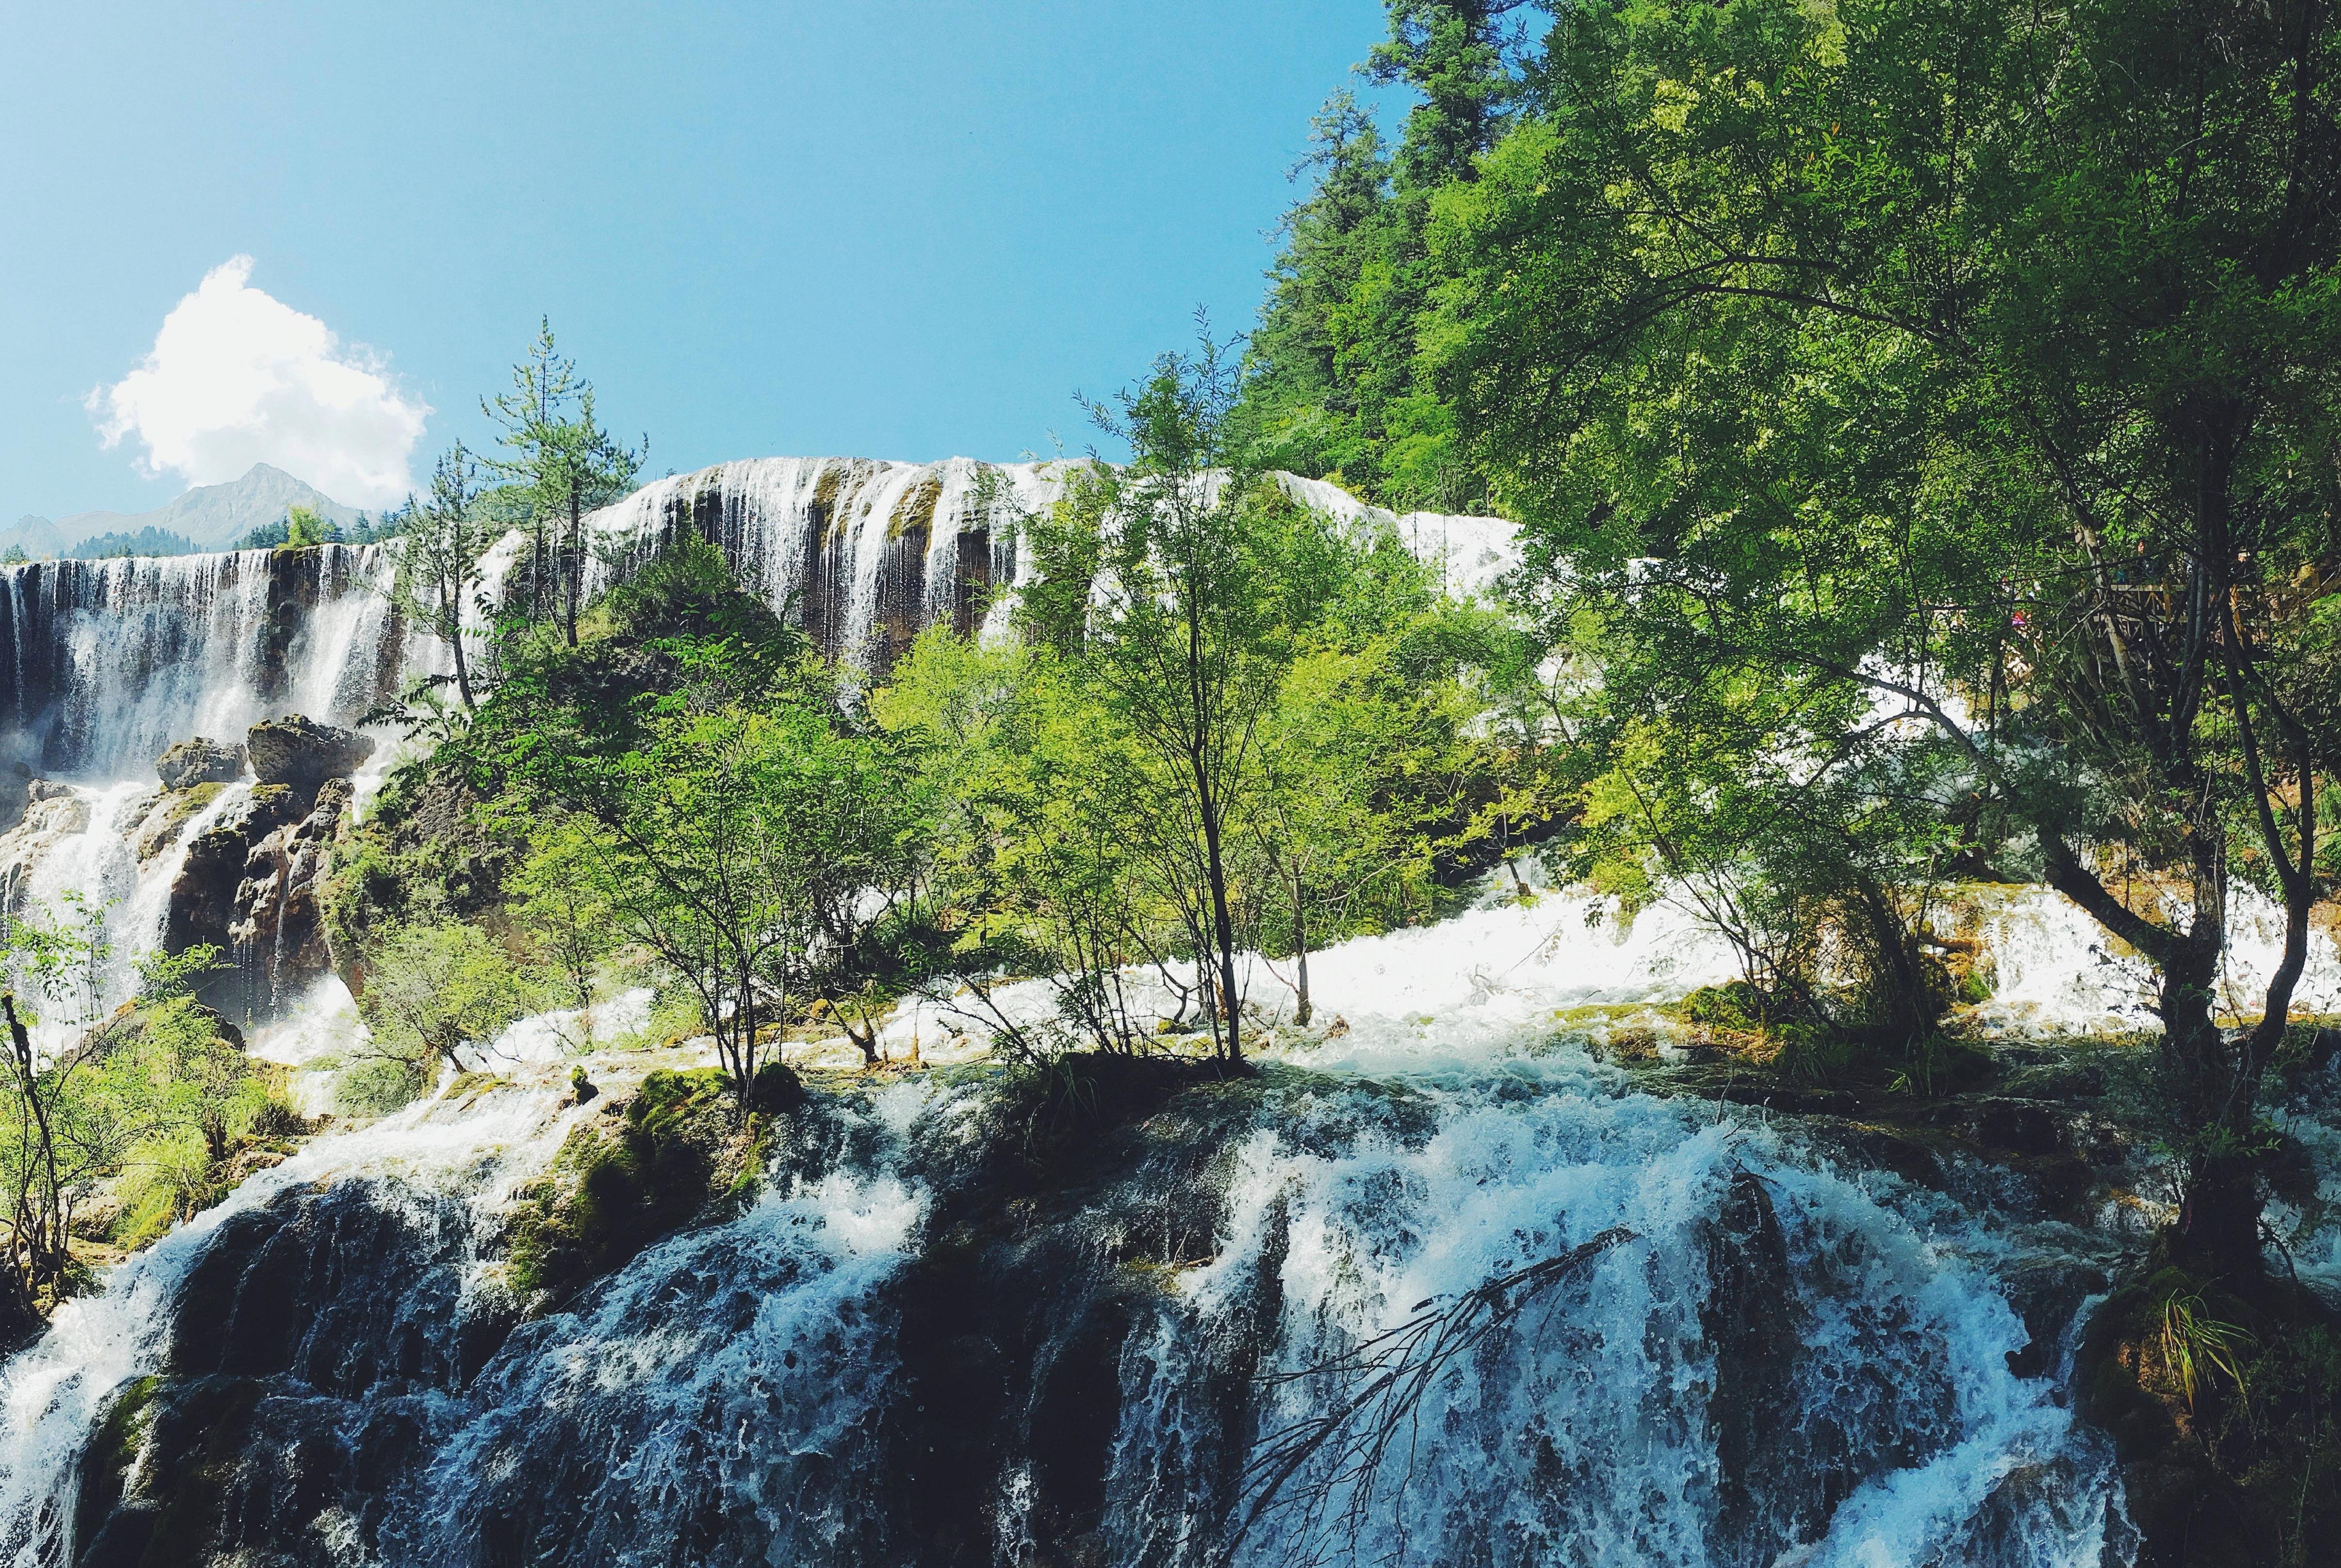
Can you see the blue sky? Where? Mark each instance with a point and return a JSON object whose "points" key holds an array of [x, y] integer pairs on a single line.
{"points": [[890, 229]]}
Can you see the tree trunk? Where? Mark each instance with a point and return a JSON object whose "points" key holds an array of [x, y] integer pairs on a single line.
{"points": [[1910, 1014], [1223, 925], [743, 1026], [45, 1250], [1300, 951], [576, 554], [2217, 1233], [454, 618]]}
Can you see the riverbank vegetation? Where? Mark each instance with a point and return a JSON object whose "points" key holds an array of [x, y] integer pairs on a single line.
{"points": [[130, 1123]]}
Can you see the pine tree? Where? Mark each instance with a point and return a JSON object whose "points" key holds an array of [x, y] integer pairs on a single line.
{"points": [[564, 463]]}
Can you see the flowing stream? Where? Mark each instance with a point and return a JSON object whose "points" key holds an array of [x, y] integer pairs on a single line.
{"points": [[1774, 1345]]}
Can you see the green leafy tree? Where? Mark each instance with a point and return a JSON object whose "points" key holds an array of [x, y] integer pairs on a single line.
{"points": [[1365, 767], [1040, 835], [305, 528], [1338, 389], [436, 558], [561, 906], [72, 1117], [735, 843], [1173, 629], [1971, 364], [1069, 823], [434, 990], [210, 1083], [689, 770]]}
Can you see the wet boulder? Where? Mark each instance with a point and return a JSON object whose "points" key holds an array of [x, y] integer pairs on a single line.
{"points": [[777, 1090], [300, 752], [1752, 1323], [194, 761]]}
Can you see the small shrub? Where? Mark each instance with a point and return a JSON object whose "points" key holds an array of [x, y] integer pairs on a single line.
{"points": [[376, 1086], [274, 1119], [1734, 1006]]}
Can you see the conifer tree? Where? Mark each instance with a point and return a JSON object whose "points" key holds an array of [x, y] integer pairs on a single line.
{"points": [[564, 463]]}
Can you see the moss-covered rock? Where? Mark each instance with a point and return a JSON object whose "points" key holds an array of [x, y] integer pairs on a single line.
{"points": [[620, 1183], [197, 761], [113, 1448]]}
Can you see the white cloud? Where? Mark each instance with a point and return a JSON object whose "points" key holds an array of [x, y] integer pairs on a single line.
{"points": [[238, 377]]}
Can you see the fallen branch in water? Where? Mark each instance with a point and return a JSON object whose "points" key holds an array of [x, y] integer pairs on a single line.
{"points": [[1388, 1377]]}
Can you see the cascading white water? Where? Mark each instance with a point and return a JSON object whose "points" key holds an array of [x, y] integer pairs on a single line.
{"points": [[865, 554], [734, 1392], [1886, 1427], [110, 662]]}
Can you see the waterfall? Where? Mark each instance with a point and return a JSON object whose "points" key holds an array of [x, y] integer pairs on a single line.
{"points": [[909, 1348], [109, 661], [1787, 1361], [864, 555]]}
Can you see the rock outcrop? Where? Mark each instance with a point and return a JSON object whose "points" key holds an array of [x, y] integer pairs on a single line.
{"points": [[198, 762], [16, 794], [279, 931], [249, 882], [298, 751], [204, 895]]}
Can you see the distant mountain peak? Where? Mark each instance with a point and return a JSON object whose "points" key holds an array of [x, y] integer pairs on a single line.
{"points": [[212, 515]]}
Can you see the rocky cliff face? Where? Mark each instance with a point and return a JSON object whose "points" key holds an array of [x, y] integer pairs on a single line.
{"points": [[249, 882]]}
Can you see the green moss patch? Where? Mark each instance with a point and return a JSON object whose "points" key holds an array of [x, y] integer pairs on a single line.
{"points": [[915, 513], [163, 824], [622, 1182], [113, 1448]]}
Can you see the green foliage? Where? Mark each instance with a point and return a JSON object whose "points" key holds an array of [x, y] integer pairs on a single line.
{"points": [[1338, 388], [2226, 1395], [426, 849], [148, 541], [377, 1086], [154, 1088], [560, 465], [432, 991], [1226, 704], [304, 529], [685, 598], [1921, 424], [2195, 1344], [695, 789], [435, 559], [564, 907]]}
